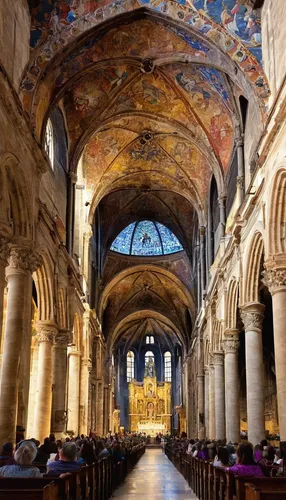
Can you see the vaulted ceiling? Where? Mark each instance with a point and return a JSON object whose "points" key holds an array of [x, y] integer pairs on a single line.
{"points": [[149, 90]]}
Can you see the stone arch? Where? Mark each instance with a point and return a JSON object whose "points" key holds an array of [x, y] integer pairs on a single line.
{"points": [[277, 215], [77, 327], [143, 268], [14, 196], [216, 335], [142, 314], [253, 269], [44, 282], [231, 303]]}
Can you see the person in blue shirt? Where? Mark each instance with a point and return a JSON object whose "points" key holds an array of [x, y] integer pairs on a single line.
{"points": [[66, 463]]}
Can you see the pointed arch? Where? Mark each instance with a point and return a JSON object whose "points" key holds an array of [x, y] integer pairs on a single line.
{"points": [[254, 264], [277, 215], [231, 304], [44, 282]]}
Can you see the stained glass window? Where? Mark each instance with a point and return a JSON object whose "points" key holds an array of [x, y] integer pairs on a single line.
{"points": [[149, 355], [168, 366], [49, 142], [130, 366], [146, 238]]}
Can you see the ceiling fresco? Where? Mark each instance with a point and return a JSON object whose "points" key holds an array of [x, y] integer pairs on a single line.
{"points": [[202, 39], [147, 289]]}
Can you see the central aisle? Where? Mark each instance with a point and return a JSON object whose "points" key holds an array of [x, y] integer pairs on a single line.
{"points": [[154, 478]]}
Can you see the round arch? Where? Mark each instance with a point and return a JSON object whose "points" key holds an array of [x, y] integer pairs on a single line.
{"points": [[253, 269]]}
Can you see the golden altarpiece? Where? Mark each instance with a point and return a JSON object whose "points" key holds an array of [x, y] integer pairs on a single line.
{"points": [[150, 404]]}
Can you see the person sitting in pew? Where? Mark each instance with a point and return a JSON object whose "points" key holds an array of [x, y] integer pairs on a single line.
{"points": [[6, 456], [66, 463], [24, 456], [222, 458], [246, 465]]}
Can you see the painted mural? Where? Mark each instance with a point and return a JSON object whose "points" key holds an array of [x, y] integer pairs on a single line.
{"points": [[232, 27]]}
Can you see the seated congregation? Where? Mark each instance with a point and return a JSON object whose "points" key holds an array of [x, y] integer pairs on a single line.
{"points": [[219, 470], [74, 468]]}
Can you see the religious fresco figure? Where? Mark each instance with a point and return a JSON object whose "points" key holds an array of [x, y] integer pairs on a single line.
{"points": [[150, 410]]}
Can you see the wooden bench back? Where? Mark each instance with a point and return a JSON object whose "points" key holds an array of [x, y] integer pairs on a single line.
{"points": [[253, 492], [48, 492]]}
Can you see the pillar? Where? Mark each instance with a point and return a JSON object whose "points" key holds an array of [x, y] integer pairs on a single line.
{"points": [[46, 333], [211, 402], [232, 411], [4, 254], [85, 367], [201, 427], [22, 262], [73, 390], [252, 316], [276, 282], [203, 262], [218, 361], [206, 402], [71, 182], [222, 217], [59, 382], [240, 166]]}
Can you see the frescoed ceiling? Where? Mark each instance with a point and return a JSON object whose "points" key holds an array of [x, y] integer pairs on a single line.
{"points": [[146, 289]]}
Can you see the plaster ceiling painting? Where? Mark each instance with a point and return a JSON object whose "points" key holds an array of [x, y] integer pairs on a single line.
{"points": [[150, 91]]}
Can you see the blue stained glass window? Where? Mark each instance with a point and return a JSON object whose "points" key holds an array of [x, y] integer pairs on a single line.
{"points": [[146, 238]]}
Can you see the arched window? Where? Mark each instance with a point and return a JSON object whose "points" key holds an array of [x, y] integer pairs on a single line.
{"points": [[130, 366], [148, 355], [150, 339], [168, 366], [49, 142]]}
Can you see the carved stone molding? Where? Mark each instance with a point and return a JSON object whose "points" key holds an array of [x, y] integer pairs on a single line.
{"points": [[4, 251], [73, 350], [231, 346], [88, 363], [218, 358], [252, 316], [63, 338], [46, 332], [275, 279], [206, 371], [23, 259]]}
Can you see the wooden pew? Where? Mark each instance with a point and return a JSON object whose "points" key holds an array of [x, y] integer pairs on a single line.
{"points": [[253, 492], [48, 492], [264, 483]]}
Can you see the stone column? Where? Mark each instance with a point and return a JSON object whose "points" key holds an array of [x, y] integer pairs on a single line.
{"points": [[211, 402], [59, 399], [201, 427], [221, 202], [4, 254], [232, 413], [206, 372], [73, 389], [22, 263], [85, 367], [218, 360], [46, 333], [71, 182], [276, 282], [203, 261], [252, 316], [240, 165]]}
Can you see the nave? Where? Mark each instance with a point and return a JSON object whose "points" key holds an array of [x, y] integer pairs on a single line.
{"points": [[154, 477]]}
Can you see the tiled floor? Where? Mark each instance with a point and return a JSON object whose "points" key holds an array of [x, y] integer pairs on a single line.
{"points": [[154, 478]]}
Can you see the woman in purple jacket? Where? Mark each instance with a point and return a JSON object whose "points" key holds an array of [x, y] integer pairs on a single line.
{"points": [[246, 465]]}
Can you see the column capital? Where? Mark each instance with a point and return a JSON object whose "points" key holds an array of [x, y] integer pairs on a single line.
{"points": [[63, 337], [231, 346], [46, 332], [206, 370], [88, 363], [231, 332], [23, 259], [275, 279], [218, 358], [4, 251], [239, 141], [73, 350], [73, 177], [252, 315]]}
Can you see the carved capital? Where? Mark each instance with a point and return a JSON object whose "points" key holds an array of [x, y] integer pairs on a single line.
{"points": [[218, 358], [46, 332], [23, 259], [252, 316], [73, 350], [63, 338], [88, 363], [4, 251], [275, 279], [206, 371], [239, 141], [73, 177], [231, 346]]}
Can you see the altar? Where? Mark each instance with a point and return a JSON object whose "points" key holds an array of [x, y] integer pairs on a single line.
{"points": [[150, 406]]}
